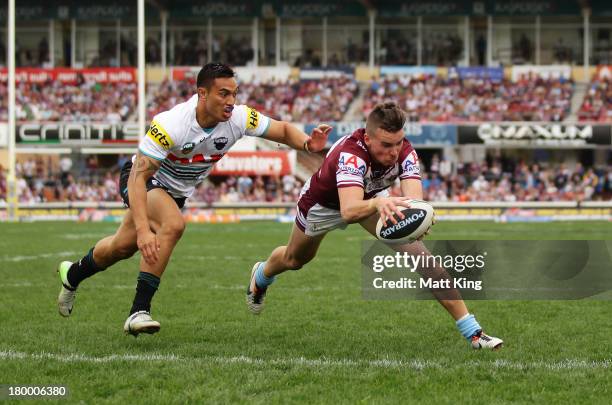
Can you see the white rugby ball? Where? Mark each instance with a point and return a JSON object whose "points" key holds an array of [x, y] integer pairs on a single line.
{"points": [[417, 220]]}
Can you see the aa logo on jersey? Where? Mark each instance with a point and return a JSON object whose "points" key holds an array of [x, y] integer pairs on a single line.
{"points": [[410, 165], [252, 118], [351, 164], [160, 136]]}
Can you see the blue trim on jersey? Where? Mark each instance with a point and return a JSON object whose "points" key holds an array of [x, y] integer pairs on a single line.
{"points": [[151, 156], [208, 131], [265, 132]]}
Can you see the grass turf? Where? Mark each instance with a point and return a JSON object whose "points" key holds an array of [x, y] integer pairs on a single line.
{"points": [[317, 340]]}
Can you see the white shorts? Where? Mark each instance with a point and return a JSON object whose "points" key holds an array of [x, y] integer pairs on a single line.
{"points": [[319, 219]]}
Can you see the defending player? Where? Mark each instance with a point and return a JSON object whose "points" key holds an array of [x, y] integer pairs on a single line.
{"points": [[351, 186], [178, 152]]}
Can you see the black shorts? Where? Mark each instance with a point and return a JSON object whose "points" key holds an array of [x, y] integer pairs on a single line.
{"points": [[152, 183]]}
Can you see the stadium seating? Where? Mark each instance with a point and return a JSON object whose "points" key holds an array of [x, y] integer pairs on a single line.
{"points": [[433, 98], [597, 103], [496, 180], [84, 101], [514, 181], [429, 98], [168, 94], [293, 100]]}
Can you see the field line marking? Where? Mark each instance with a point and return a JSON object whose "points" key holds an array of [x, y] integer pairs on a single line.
{"points": [[414, 364], [81, 236], [36, 257], [28, 284]]}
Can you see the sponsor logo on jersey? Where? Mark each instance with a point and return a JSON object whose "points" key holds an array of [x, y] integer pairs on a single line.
{"points": [[372, 185], [220, 142], [410, 166], [187, 148], [351, 164], [252, 118], [160, 136]]}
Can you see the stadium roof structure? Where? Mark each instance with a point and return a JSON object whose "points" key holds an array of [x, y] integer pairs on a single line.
{"points": [[392, 8], [262, 8], [31, 10]]}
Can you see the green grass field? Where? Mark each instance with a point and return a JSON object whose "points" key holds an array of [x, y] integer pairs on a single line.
{"points": [[317, 341]]}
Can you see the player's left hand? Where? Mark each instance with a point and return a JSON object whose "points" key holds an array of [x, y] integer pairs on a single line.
{"points": [[318, 138]]}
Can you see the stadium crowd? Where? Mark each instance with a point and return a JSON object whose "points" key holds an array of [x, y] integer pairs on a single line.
{"points": [[82, 101], [302, 101], [45, 180], [433, 98], [597, 103], [292, 100], [428, 98], [234, 189], [510, 180], [489, 180]]}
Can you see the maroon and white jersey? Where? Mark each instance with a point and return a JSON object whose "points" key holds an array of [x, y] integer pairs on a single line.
{"points": [[348, 164]]}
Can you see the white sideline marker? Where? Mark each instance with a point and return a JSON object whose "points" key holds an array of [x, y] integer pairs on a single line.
{"points": [[414, 364]]}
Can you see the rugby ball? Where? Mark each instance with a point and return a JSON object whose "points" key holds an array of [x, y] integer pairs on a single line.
{"points": [[417, 220]]}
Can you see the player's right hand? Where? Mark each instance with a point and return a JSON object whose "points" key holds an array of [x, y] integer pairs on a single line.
{"points": [[428, 231], [318, 138], [148, 245], [387, 206]]}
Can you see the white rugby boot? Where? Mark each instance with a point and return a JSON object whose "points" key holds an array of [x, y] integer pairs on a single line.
{"points": [[255, 295], [140, 322], [65, 300], [483, 341]]}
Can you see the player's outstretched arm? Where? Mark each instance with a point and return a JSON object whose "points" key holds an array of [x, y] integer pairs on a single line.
{"points": [[412, 189], [354, 208], [144, 167], [284, 132]]}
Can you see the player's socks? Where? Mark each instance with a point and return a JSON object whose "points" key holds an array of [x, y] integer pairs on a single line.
{"points": [[468, 326], [84, 268], [145, 289], [260, 278]]}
